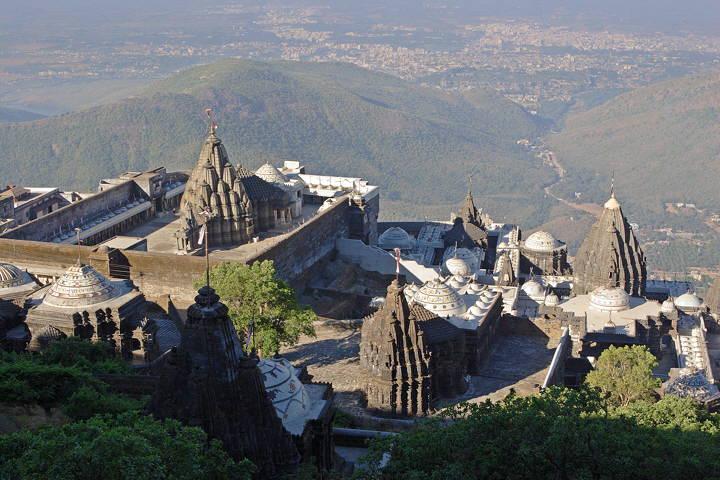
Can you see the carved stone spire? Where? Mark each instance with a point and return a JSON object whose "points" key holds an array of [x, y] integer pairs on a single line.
{"points": [[395, 358], [610, 254], [209, 382], [209, 185]]}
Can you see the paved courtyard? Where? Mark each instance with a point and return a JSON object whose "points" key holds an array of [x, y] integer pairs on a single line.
{"points": [[517, 362]]}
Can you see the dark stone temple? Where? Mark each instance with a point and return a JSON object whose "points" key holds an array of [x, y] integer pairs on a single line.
{"points": [[610, 255], [410, 357], [209, 382], [235, 203]]}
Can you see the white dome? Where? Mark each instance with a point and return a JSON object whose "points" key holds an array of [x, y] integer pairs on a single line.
{"points": [[79, 287], [287, 393], [395, 237], [668, 306], [476, 311], [542, 242], [458, 266], [271, 174], [688, 300], [552, 300], [609, 299], [11, 276], [440, 299], [533, 289]]}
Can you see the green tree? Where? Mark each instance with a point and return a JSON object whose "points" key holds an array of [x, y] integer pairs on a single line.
{"points": [[559, 434], [625, 374], [118, 447], [260, 301]]}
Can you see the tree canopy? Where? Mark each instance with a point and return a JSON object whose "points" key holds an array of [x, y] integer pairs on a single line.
{"points": [[130, 445], [558, 434], [260, 302], [625, 374]]}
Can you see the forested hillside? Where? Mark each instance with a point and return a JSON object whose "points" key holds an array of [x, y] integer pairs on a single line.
{"points": [[662, 142], [418, 143]]}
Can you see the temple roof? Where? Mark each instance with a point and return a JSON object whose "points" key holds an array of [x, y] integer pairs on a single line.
{"points": [[257, 188]]}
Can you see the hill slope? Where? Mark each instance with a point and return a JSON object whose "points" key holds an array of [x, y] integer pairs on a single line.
{"points": [[419, 144], [15, 115], [662, 142]]}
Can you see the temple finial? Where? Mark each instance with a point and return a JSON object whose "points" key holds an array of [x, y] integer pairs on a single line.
{"points": [[212, 124], [612, 184], [470, 183], [79, 245]]}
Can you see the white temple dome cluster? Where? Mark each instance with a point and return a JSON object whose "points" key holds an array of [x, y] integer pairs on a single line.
{"points": [[668, 306], [541, 241], [80, 286], [609, 299], [440, 299]]}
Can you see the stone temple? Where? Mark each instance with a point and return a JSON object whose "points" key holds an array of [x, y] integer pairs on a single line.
{"points": [[610, 255]]}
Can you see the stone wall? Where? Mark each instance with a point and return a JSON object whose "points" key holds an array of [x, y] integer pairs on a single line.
{"points": [[300, 250]]}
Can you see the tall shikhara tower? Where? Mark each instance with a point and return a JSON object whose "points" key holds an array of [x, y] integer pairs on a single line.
{"points": [[395, 358], [215, 194], [610, 255]]}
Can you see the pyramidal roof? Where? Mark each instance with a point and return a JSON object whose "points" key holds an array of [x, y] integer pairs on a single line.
{"points": [[610, 255]]}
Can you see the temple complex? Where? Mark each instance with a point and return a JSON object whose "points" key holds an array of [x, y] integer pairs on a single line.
{"points": [[610, 254]]}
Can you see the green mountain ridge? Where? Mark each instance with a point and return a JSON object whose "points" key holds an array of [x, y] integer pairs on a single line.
{"points": [[418, 143], [661, 141]]}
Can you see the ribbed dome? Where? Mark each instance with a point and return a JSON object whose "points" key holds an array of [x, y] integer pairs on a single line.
{"points": [[541, 242], [287, 393], [457, 266], [688, 300], [395, 237], [271, 174], [609, 299], [440, 299], [79, 286], [11, 276]]}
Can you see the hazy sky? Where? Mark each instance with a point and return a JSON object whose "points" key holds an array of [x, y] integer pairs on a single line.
{"points": [[701, 16]]}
